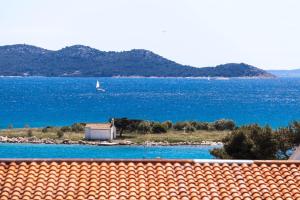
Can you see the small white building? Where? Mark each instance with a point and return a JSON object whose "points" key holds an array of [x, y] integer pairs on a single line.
{"points": [[100, 131]]}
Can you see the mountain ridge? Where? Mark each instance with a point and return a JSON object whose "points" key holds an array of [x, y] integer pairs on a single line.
{"points": [[80, 60]]}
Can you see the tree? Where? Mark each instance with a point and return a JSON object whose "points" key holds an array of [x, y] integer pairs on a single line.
{"points": [[68, 129], [189, 128], [158, 128], [78, 127], [201, 125], [179, 126], [144, 127], [167, 124], [45, 129], [248, 142], [224, 124], [125, 124]]}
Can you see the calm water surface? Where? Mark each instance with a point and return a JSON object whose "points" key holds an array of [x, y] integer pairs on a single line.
{"points": [[117, 152], [39, 101]]}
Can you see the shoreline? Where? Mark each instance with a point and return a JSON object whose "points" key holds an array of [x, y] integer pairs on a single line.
{"points": [[34, 140], [151, 77]]}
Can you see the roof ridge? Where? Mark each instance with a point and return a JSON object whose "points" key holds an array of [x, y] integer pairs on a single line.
{"points": [[202, 161]]}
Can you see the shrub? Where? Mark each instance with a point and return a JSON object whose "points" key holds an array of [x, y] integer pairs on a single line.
{"points": [[211, 127], [201, 126], [44, 130], [167, 124], [179, 126], [77, 127], [193, 123], [66, 129], [189, 128], [144, 127], [248, 142], [29, 133], [126, 125], [59, 134], [224, 124], [158, 128]]}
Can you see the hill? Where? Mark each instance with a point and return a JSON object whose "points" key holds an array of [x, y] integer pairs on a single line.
{"points": [[79, 60], [286, 73]]}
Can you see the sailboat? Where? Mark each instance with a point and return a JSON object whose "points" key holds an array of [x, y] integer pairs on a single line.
{"points": [[98, 87]]}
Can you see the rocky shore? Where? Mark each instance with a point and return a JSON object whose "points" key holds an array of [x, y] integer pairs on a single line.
{"points": [[35, 140]]}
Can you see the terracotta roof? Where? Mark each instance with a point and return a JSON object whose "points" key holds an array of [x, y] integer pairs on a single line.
{"points": [[98, 126], [148, 179]]}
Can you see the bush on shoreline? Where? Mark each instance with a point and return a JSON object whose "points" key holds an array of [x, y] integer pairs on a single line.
{"points": [[255, 142]]}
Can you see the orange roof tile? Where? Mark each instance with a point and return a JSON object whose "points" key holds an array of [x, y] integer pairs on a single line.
{"points": [[148, 179], [98, 125]]}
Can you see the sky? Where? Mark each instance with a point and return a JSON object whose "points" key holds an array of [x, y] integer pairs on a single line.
{"points": [[263, 33]]}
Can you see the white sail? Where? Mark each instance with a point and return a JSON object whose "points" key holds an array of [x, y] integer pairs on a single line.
{"points": [[98, 87]]}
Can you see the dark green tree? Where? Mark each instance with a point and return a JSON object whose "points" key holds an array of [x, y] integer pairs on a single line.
{"points": [[248, 142], [69, 129], [158, 128], [202, 126], [78, 127], [144, 127], [224, 124], [179, 126], [125, 124], [168, 124]]}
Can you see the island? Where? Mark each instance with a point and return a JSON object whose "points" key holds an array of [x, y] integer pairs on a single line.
{"points": [[84, 61]]}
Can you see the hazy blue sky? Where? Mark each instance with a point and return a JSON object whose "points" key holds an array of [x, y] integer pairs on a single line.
{"points": [[264, 33]]}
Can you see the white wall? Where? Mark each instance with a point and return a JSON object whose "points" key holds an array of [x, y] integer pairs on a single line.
{"points": [[114, 132], [98, 134]]}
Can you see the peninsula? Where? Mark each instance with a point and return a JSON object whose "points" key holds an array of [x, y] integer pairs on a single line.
{"points": [[84, 61]]}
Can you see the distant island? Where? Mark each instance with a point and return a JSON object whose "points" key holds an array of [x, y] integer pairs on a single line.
{"points": [[84, 61]]}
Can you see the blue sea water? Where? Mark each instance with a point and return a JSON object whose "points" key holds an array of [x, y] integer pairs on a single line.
{"points": [[117, 152], [40, 101]]}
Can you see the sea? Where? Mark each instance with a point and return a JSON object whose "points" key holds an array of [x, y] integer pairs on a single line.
{"points": [[42, 101], [103, 152]]}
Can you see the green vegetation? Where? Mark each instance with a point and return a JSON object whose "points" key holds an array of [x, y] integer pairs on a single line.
{"points": [[29, 133], [158, 128], [255, 142], [140, 126], [137, 131], [246, 142]]}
